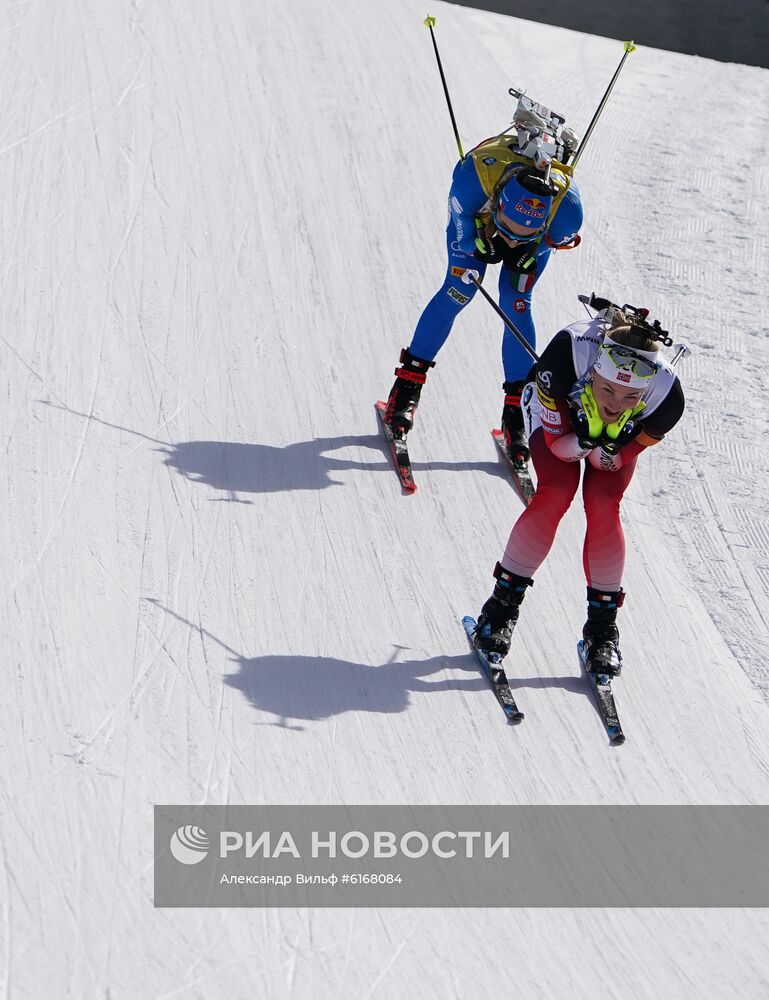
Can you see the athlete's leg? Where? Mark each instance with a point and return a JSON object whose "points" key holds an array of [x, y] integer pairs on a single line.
{"points": [[515, 290], [436, 321], [534, 532], [604, 551]]}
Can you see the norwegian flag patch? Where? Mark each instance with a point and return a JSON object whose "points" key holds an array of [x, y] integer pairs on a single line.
{"points": [[623, 376]]}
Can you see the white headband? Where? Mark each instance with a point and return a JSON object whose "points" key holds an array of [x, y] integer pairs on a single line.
{"points": [[626, 366]]}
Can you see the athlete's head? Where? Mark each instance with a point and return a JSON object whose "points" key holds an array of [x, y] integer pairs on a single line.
{"points": [[521, 214], [612, 400], [624, 368]]}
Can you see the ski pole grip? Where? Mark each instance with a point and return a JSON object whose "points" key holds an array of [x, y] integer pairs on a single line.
{"points": [[682, 351]]}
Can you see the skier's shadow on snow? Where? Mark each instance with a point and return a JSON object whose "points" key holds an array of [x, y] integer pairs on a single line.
{"points": [[262, 468], [313, 688], [574, 685], [577, 684], [235, 467]]}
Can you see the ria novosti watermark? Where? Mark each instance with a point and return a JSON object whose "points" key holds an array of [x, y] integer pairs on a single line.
{"points": [[461, 855], [190, 844]]}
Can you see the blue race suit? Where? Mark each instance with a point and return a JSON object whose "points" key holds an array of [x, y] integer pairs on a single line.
{"points": [[467, 198]]}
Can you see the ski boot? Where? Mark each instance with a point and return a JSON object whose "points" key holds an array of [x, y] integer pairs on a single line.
{"points": [[499, 614], [404, 395], [600, 633], [516, 441]]}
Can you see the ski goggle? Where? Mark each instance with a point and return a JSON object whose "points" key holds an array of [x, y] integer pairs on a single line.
{"points": [[627, 360], [527, 237]]}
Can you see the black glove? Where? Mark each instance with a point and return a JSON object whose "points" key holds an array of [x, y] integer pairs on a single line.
{"points": [[489, 250], [612, 445], [522, 258], [579, 425]]}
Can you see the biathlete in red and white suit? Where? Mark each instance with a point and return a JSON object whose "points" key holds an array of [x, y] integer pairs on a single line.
{"points": [[603, 395]]}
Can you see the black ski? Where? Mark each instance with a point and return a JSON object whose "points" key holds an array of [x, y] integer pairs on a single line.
{"points": [[398, 450], [604, 699], [492, 667], [521, 477]]}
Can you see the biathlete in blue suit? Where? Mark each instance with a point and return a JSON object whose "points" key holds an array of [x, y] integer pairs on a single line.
{"points": [[501, 211]]}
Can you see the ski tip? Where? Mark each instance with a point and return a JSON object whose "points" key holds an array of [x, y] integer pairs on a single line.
{"points": [[470, 625], [400, 457], [515, 719], [617, 740]]}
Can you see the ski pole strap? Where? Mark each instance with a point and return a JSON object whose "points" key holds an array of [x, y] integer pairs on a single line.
{"points": [[629, 47], [429, 22]]}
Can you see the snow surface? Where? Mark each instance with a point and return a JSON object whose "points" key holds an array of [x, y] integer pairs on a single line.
{"points": [[219, 223]]}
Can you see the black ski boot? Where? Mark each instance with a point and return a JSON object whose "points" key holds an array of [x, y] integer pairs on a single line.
{"points": [[499, 614], [404, 395], [516, 441], [600, 634]]}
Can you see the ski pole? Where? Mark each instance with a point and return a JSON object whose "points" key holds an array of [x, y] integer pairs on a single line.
{"points": [[629, 47], [471, 277], [429, 22]]}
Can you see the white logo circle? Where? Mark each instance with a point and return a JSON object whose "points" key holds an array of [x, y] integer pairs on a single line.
{"points": [[189, 845]]}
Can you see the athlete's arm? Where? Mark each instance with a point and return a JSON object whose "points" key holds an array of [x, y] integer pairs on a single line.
{"points": [[466, 198], [556, 376]]}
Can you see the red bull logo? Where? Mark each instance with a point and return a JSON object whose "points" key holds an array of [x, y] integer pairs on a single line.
{"points": [[533, 207]]}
